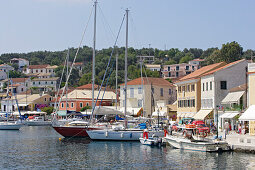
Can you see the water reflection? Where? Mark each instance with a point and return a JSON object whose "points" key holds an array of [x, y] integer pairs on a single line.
{"points": [[40, 148]]}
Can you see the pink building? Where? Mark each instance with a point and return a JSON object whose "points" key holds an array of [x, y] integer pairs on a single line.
{"points": [[177, 71]]}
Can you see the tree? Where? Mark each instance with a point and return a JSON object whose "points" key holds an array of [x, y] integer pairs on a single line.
{"points": [[231, 52], [186, 58], [85, 108], [214, 57], [170, 62], [48, 110], [85, 79]]}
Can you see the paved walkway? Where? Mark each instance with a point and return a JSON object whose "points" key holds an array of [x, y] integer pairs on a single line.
{"points": [[240, 142]]}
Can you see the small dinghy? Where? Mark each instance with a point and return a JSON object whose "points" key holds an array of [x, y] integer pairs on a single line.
{"points": [[151, 141]]}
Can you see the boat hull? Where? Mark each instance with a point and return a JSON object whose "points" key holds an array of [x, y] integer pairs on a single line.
{"points": [[10, 126], [73, 131], [38, 123], [120, 135], [196, 146]]}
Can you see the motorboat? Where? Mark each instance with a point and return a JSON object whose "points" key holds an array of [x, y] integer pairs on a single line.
{"points": [[188, 140], [38, 121], [10, 125], [151, 141]]}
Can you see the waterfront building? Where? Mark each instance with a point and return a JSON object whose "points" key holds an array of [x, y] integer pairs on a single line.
{"points": [[189, 91], [6, 68], [77, 99], [234, 104], [25, 102], [248, 117], [215, 85], [20, 62], [145, 92], [177, 71], [45, 84]]}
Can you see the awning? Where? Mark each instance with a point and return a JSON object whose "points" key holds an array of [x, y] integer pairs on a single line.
{"points": [[202, 114], [249, 114], [161, 114], [23, 104], [232, 97], [229, 115], [180, 114], [189, 115]]}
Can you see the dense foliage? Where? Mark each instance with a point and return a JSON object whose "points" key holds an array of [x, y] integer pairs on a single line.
{"points": [[229, 52]]}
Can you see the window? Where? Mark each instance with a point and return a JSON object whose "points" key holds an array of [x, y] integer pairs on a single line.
{"points": [[206, 86], [161, 92], [223, 85], [67, 104], [193, 67], [72, 105], [41, 71], [62, 105], [87, 104], [50, 99], [210, 85], [152, 90], [140, 103], [179, 89], [36, 71], [188, 88], [183, 88], [189, 103], [81, 105], [169, 68], [52, 82], [45, 99], [131, 92], [39, 82], [203, 86], [170, 91], [193, 87], [169, 74], [22, 89], [177, 67], [177, 74], [187, 68], [45, 82], [139, 90], [49, 71]]}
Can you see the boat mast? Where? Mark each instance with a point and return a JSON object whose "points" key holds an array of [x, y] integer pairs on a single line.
{"points": [[94, 60], [141, 63], [67, 59], [116, 101], [126, 55]]}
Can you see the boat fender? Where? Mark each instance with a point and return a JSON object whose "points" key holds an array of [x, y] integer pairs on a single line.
{"points": [[121, 135], [205, 134], [131, 135], [106, 134]]}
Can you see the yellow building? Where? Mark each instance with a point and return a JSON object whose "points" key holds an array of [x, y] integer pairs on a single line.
{"points": [[189, 92]]}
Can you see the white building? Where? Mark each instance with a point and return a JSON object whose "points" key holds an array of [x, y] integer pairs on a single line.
{"points": [[216, 83], [3, 75], [40, 69], [45, 84], [16, 81], [153, 67], [6, 67], [145, 96], [20, 62]]}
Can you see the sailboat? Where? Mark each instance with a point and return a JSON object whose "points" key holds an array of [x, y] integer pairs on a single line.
{"points": [[122, 133], [79, 129], [7, 125]]}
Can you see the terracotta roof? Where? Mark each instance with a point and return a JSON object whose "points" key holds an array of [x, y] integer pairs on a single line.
{"points": [[238, 88], [38, 66], [89, 87], [198, 59], [15, 80], [80, 63], [223, 67], [149, 80], [202, 71]]}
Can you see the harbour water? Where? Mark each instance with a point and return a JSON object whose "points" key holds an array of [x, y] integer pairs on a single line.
{"points": [[40, 148]]}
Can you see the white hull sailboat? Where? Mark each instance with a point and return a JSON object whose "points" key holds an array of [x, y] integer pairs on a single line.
{"points": [[121, 135], [10, 126]]}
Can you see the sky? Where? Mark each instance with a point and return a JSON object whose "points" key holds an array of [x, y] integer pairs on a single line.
{"points": [[35, 25]]}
